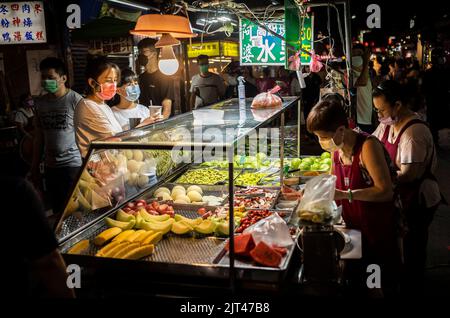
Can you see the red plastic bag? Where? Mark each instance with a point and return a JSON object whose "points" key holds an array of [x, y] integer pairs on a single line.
{"points": [[268, 99]]}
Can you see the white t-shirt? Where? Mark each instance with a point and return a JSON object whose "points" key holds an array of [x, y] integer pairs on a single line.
{"points": [[416, 146], [363, 101], [93, 121], [23, 115], [123, 115]]}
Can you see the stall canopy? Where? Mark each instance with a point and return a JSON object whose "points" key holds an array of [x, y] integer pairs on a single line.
{"points": [[106, 27]]}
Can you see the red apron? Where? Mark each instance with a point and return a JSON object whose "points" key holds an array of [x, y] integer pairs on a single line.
{"points": [[408, 192], [375, 220]]}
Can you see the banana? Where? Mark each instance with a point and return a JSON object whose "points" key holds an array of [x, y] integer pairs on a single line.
{"points": [[115, 249], [134, 236], [106, 235], [107, 248], [163, 227], [124, 217], [123, 236], [80, 247], [152, 239], [139, 221], [139, 252], [123, 225], [143, 236], [148, 217], [125, 250]]}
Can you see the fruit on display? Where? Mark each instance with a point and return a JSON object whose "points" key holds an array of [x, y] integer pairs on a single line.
{"points": [[265, 255], [131, 238], [123, 216], [222, 228], [107, 235], [139, 252], [150, 217], [194, 196], [251, 218], [243, 244], [321, 163], [127, 248], [190, 222], [118, 224], [80, 247], [181, 228], [114, 250], [206, 227], [105, 250], [163, 160], [249, 178], [153, 208], [255, 198], [194, 188], [153, 238], [164, 227], [203, 176], [161, 190], [123, 236]]}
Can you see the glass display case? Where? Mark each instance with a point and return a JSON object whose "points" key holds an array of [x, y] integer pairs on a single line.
{"points": [[177, 186]]}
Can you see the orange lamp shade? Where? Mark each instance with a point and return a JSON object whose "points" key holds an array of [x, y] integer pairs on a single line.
{"points": [[157, 24]]}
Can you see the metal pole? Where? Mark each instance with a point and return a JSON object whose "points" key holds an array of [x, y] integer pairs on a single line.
{"points": [[230, 152], [282, 151], [299, 119], [348, 44]]}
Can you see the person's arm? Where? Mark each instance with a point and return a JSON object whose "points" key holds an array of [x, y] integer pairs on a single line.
{"points": [[221, 87], [167, 108], [364, 77], [373, 158], [50, 271], [409, 172]]}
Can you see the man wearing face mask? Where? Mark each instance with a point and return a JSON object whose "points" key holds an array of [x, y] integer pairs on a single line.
{"points": [[363, 188], [156, 88], [206, 88], [410, 145], [55, 133], [363, 84], [127, 108]]}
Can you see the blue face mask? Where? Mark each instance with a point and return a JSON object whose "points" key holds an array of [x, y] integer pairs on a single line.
{"points": [[133, 92]]}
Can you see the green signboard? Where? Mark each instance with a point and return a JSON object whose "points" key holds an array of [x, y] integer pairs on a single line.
{"points": [[299, 34], [307, 39], [259, 47]]}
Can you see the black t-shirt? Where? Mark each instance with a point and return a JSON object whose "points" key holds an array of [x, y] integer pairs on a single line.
{"points": [[155, 87], [26, 232]]}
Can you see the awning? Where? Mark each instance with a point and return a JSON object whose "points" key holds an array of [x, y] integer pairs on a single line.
{"points": [[106, 27]]}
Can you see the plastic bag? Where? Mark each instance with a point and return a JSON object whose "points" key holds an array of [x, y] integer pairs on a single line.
{"points": [[317, 204], [268, 99], [272, 230]]}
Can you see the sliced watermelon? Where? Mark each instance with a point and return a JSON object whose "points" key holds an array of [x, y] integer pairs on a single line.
{"points": [[243, 244], [265, 255]]}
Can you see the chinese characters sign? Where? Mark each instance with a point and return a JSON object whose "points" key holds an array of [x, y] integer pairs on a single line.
{"points": [[259, 47], [307, 39], [22, 22]]}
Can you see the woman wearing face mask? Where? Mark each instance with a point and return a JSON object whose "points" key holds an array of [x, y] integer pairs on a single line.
{"points": [[93, 117], [410, 145], [363, 186], [128, 107]]}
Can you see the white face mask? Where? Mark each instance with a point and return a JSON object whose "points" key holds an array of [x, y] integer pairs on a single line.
{"points": [[330, 145], [357, 61]]}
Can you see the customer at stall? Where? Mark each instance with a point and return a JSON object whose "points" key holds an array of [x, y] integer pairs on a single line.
{"points": [[410, 145], [37, 270], [363, 84], [128, 107], [206, 88], [24, 120], [156, 88], [94, 119], [55, 133], [363, 186], [266, 83]]}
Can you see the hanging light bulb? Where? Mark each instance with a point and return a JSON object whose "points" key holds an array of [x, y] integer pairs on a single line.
{"points": [[168, 63]]}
